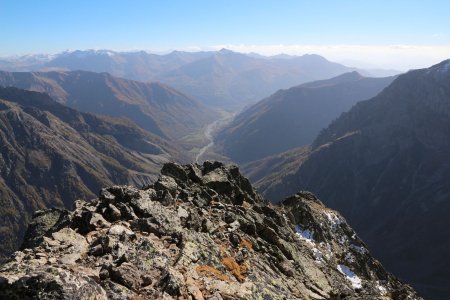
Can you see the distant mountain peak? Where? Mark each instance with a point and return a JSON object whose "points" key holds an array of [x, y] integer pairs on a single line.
{"points": [[88, 52], [283, 56], [226, 51], [354, 75], [315, 56]]}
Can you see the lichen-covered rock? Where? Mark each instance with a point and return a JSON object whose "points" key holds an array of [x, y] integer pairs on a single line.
{"points": [[200, 232]]}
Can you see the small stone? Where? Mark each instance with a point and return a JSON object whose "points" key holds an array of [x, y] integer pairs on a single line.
{"points": [[193, 289], [146, 280], [286, 268], [52, 260], [104, 274], [166, 198], [175, 171], [235, 239], [127, 274], [166, 183], [96, 250], [229, 217], [234, 226], [119, 230], [97, 221], [182, 213], [239, 257], [218, 181], [216, 296], [207, 226], [112, 213], [40, 255], [172, 282]]}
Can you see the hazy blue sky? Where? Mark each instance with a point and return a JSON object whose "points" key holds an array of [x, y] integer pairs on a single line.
{"points": [[245, 25]]}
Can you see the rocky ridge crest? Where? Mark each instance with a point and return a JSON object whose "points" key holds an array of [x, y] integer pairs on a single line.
{"points": [[198, 232]]}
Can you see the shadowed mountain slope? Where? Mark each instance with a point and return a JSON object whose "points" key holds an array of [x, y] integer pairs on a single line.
{"points": [[385, 166], [153, 106], [224, 78], [294, 117], [231, 79], [51, 155]]}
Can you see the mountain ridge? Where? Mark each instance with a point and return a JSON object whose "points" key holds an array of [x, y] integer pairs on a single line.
{"points": [[52, 154], [226, 84], [294, 117], [153, 106], [200, 232], [384, 165]]}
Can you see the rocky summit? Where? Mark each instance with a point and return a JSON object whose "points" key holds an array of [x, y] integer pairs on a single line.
{"points": [[198, 232]]}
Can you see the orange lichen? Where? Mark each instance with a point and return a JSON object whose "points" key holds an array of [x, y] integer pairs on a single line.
{"points": [[237, 270], [212, 271], [246, 244]]}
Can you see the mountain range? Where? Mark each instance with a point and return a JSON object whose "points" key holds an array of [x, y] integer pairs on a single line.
{"points": [[51, 155], [224, 78], [294, 117], [384, 165], [155, 107]]}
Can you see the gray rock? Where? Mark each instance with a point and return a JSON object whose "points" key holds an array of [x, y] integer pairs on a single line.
{"points": [[175, 171], [206, 240], [166, 183], [127, 275], [42, 225]]}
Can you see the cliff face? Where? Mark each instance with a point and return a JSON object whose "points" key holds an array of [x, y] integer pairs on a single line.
{"points": [[198, 232]]}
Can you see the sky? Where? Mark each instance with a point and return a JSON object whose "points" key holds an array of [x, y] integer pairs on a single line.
{"points": [[395, 34]]}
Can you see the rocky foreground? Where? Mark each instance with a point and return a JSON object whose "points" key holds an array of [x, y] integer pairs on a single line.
{"points": [[199, 232]]}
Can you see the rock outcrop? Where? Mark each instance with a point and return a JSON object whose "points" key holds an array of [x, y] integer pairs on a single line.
{"points": [[198, 232]]}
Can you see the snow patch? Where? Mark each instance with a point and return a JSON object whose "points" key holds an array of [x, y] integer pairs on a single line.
{"points": [[334, 220], [382, 289], [342, 239], [328, 251], [350, 276], [318, 257], [305, 234]]}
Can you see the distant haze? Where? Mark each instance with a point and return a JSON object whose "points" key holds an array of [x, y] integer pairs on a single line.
{"points": [[401, 34], [399, 57], [392, 57]]}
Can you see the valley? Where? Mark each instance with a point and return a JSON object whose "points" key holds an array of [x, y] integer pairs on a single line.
{"points": [[209, 133], [225, 150], [372, 148]]}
